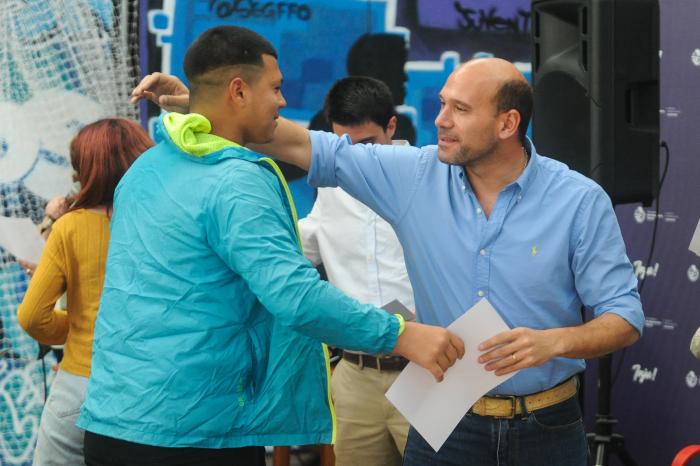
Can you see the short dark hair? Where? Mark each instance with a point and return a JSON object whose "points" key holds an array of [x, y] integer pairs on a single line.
{"points": [[358, 99], [516, 94], [225, 46]]}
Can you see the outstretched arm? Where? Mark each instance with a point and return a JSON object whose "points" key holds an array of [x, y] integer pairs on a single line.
{"points": [[291, 141], [250, 230], [290, 144]]}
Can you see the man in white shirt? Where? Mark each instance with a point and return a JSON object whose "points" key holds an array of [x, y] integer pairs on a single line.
{"points": [[364, 259]]}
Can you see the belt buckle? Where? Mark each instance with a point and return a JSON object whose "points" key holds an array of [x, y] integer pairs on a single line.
{"points": [[361, 361], [379, 363], [513, 400]]}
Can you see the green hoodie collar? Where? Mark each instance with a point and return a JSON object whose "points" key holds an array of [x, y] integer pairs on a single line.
{"points": [[191, 133]]}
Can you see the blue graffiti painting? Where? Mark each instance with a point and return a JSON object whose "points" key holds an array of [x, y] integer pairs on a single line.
{"points": [[313, 48], [61, 67]]}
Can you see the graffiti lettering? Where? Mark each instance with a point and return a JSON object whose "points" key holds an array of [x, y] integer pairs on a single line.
{"points": [[21, 403], [252, 9], [488, 21]]}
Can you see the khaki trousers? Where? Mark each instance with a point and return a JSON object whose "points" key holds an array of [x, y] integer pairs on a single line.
{"points": [[371, 432]]}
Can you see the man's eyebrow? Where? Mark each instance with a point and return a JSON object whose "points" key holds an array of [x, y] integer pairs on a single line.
{"points": [[461, 103]]}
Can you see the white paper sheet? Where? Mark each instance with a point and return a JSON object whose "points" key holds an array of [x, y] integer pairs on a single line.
{"points": [[21, 238], [695, 241], [434, 409]]}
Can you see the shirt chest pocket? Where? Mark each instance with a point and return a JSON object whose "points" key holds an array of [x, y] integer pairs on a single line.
{"points": [[539, 267]]}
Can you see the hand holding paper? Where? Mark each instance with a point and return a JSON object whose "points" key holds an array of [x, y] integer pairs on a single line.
{"points": [[434, 409], [433, 348], [517, 349]]}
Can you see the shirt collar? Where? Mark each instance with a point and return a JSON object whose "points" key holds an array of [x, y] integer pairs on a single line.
{"points": [[526, 177]]}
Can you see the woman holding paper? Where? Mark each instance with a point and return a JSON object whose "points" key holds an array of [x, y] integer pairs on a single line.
{"points": [[73, 261]]}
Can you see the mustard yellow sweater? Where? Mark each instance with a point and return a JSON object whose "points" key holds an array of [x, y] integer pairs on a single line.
{"points": [[73, 261]]}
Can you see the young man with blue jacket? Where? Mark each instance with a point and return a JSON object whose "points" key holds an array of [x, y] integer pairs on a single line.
{"points": [[208, 339]]}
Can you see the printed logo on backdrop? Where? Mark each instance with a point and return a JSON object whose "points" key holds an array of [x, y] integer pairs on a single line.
{"points": [[693, 273], [662, 324], [695, 57], [642, 215], [642, 374], [670, 112], [691, 379], [642, 271]]}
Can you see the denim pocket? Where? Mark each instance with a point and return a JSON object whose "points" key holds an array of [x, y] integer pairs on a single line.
{"points": [[66, 397], [559, 416]]}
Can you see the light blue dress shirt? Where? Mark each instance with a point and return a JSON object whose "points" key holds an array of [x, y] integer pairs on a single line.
{"points": [[551, 243]]}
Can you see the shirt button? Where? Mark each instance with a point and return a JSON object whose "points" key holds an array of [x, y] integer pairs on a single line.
{"points": [[482, 252], [520, 196], [478, 210], [480, 293]]}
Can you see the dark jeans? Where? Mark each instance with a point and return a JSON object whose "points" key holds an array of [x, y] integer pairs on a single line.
{"points": [[107, 451], [553, 436]]}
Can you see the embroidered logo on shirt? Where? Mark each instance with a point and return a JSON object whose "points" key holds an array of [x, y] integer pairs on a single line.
{"points": [[533, 251]]}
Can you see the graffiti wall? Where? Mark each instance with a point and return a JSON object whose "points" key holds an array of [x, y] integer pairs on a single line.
{"points": [[63, 64]]}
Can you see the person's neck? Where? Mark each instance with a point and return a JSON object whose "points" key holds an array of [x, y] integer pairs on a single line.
{"points": [[222, 125], [100, 209], [491, 174]]}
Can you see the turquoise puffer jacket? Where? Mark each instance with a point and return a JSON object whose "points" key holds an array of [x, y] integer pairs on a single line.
{"points": [[211, 321]]}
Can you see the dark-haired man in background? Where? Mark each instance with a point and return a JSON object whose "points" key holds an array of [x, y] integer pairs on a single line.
{"points": [[382, 57], [208, 341], [363, 258]]}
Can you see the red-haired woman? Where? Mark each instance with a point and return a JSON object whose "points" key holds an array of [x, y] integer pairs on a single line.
{"points": [[73, 261]]}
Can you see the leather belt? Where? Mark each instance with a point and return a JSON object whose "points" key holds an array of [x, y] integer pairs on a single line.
{"points": [[510, 406], [385, 363]]}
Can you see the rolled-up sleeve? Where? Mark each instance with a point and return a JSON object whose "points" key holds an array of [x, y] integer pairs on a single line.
{"points": [[605, 279], [383, 177]]}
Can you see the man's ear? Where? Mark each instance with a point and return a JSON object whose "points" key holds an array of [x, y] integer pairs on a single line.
{"points": [[509, 122], [238, 91], [391, 127]]}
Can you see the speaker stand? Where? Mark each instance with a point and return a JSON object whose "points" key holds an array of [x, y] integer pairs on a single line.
{"points": [[604, 442]]}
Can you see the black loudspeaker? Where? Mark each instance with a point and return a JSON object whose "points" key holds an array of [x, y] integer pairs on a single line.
{"points": [[595, 72]]}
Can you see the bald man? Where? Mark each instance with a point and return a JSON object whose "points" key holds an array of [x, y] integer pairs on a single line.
{"points": [[483, 215]]}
